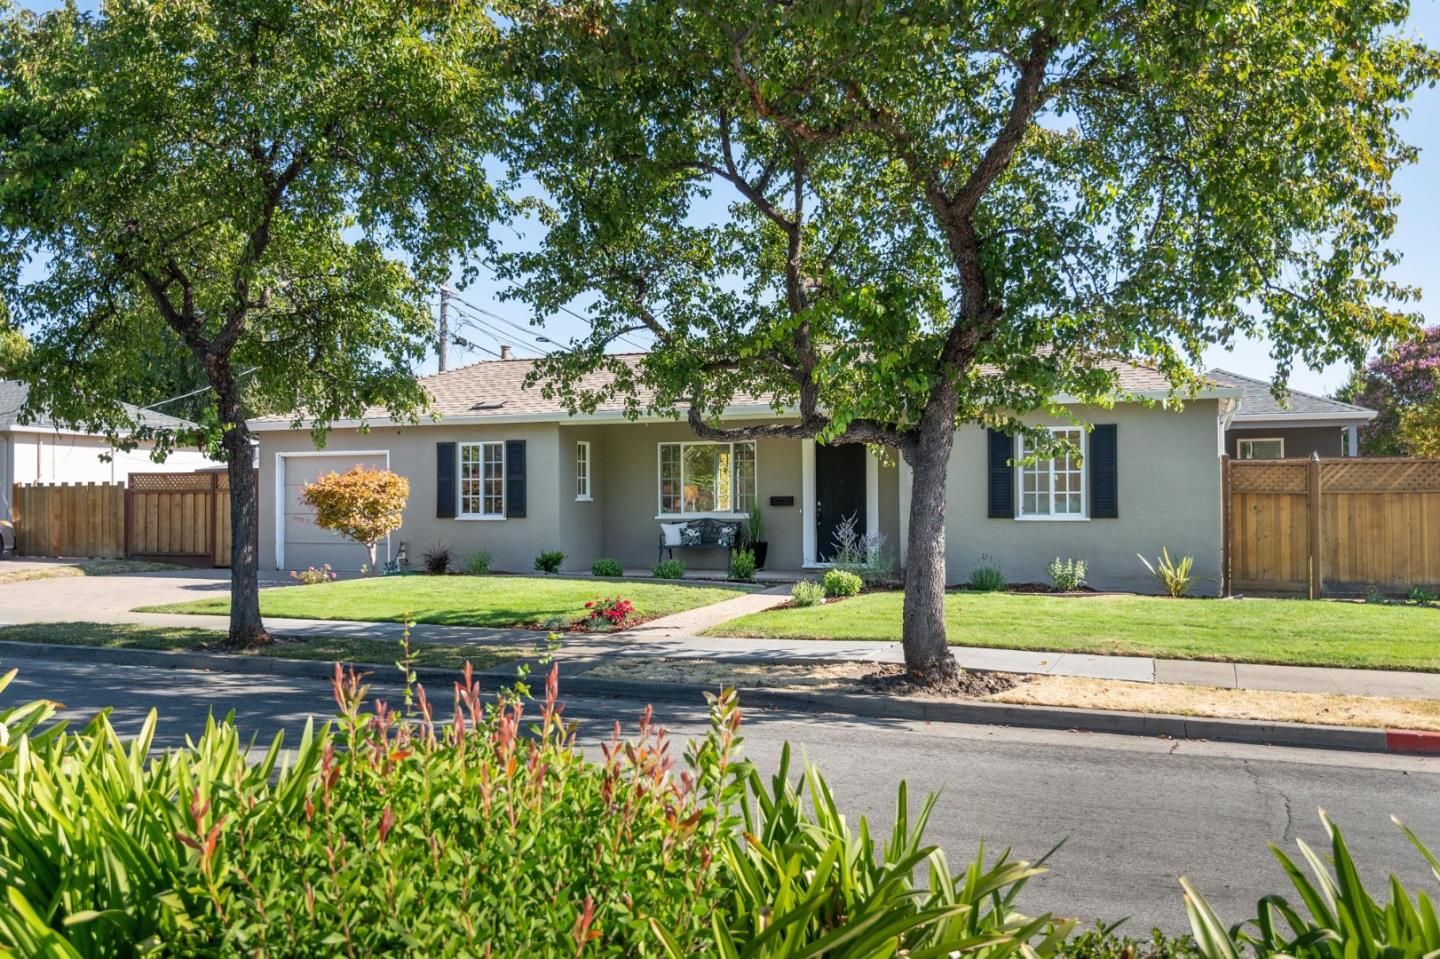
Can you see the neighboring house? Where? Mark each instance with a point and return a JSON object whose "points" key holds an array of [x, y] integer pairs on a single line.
{"points": [[508, 471], [41, 452], [1264, 428]]}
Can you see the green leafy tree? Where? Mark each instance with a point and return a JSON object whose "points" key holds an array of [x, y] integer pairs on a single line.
{"points": [[899, 216], [254, 185]]}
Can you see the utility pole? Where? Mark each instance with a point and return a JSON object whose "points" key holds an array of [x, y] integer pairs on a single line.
{"points": [[442, 350]]}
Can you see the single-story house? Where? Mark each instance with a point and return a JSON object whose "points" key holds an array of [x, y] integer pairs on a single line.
{"points": [[1262, 427], [41, 452], [505, 470]]}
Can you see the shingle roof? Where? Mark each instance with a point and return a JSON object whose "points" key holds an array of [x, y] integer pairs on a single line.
{"points": [[496, 388], [13, 394], [1259, 401]]}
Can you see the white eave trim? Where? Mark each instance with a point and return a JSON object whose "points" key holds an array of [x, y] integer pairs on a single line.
{"points": [[730, 413], [1281, 420]]}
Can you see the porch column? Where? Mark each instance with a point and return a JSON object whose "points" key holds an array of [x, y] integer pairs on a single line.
{"points": [[1352, 441]]}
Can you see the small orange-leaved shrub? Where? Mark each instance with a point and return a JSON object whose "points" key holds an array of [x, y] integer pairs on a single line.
{"points": [[365, 504]]}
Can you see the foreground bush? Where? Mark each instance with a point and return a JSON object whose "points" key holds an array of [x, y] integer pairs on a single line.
{"points": [[393, 833], [1334, 916]]}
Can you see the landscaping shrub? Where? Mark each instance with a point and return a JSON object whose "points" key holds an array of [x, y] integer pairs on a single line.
{"points": [[607, 613], [365, 504], [987, 577], [1335, 917], [1067, 576], [549, 561], [312, 576], [1175, 578], [669, 569], [806, 593], [479, 563], [437, 560], [607, 567], [1104, 943], [865, 555], [396, 832], [742, 564], [839, 582]]}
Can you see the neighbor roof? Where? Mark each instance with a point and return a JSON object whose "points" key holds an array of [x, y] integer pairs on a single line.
{"points": [[1258, 403], [495, 389], [13, 394]]}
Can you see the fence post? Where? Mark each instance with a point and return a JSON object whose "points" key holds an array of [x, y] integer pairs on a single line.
{"points": [[1227, 531], [1312, 500]]}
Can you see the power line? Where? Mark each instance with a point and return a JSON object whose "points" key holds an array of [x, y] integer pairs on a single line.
{"points": [[500, 336], [510, 323], [579, 316], [203, 389]]}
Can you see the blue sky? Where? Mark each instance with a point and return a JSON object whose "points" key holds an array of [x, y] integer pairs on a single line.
{"points": [[1417, 238]]}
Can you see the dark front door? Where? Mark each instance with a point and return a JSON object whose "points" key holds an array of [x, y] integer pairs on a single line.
{"points": [[839, 493]]}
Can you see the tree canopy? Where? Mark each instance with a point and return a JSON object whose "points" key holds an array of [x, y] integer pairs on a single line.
{"points": [[1402, 385], [895, 217], [269, 191]]}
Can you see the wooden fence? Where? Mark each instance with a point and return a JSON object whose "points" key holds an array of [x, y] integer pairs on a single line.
{"points": [[61, 519], [170, 517], [1342, 525]]}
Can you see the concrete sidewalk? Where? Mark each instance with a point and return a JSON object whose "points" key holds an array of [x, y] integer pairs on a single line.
{"points": [[111, 598], [676, 636]]}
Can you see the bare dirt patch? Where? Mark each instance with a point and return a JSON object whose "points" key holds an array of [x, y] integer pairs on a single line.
{"points": [[1019, 689], [1311, 708], [893, 680]]}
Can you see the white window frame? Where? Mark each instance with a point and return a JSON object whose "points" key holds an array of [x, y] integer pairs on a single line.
{"points": [[1049, 465], [735, 512], [582, 472], [1250, 442], [460, 512]]}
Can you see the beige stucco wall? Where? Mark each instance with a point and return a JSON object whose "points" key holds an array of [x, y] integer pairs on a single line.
{"points": [[628, 490], [1169, 496], [620, 521], [512, 543]]}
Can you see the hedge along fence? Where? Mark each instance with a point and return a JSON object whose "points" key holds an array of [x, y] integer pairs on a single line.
{"points": [[1347, 524]]}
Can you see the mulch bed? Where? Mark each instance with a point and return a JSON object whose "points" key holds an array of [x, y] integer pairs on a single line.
{"points": [[893, 680]]}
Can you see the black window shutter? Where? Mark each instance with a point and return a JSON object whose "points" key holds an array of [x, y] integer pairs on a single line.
{"points": [[514, 479], [1104, 473], [445, 480], [1002, 475]]}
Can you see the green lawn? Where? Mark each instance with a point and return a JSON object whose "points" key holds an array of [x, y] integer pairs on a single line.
{"points": [[529, 601], [1247, 630], [339, 649]]}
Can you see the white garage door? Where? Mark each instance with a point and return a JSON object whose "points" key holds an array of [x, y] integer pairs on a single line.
{"points": [[305, 543]]}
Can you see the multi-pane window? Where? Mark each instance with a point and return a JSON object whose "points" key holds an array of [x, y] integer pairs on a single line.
{"points": [[582, 470], [482, 479], [1054, 488], [707, 477]]}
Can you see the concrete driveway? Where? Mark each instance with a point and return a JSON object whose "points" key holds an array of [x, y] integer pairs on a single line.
{"points": [[109, 599]]}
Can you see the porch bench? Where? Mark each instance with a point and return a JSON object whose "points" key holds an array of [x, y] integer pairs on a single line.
{"points": [[709, 536]]}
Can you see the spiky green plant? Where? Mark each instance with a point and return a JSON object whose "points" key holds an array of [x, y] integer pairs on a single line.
{"points": [[1176, 578], [1335, 918], [802, 883]]}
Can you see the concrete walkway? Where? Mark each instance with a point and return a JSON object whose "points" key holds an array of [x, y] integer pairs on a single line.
{"points": [[110, 599]]}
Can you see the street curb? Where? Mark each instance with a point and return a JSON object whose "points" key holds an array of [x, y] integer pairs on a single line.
{"points": [[871, 707]]}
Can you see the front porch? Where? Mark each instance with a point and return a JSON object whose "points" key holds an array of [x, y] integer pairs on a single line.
{"points": [[770, 576]]}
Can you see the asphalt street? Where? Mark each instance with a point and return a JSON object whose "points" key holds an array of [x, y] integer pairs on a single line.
{"points": [[1135, 813]]}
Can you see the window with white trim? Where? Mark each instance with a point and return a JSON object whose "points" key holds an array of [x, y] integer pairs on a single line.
{"points": [[706, 478], [1270, 448], [1053, 488], [482, 480], [582, 470]]}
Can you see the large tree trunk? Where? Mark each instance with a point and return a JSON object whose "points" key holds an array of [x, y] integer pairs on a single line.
{"points": [[246, 628], [927, 653]]}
